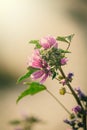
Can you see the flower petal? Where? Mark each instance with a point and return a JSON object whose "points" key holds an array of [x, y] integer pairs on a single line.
{"points": [[64, 61], [52, 41], [48, 42], [44, 78], [37, 74], [35, 61], [44, 43]]}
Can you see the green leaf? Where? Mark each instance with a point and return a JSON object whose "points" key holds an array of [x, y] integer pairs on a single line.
{"points": [[15, 122], [27, 75], [34, 88], [62, 39], [63, 51], [54, 75], [66, 39], [69, 38], [33, 119], [36, 42]]}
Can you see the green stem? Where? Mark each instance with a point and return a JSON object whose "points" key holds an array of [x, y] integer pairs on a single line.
{"points": [[68, 46], [71, 89], [58, 101], [84, 118], [84, 121]]}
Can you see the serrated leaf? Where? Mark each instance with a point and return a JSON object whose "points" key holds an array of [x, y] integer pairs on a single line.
{"points": [[34, 88], [15, 122], [36, 42], [66, 39], [69, 38], [62, 39], [27, 75]]}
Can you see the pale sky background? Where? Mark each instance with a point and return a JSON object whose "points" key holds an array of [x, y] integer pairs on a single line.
{"points": [[21, 21]]}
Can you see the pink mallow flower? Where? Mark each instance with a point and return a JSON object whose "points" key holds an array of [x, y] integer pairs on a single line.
{"points": [[48, 42], [43, 68], [64, 61]]}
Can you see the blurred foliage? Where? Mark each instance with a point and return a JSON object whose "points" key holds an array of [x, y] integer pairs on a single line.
{"points": [[26, 123], [79, 12], [6, 79]]}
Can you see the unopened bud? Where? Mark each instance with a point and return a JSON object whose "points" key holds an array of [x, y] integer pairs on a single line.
{"points": [[62, 91], [72, 116], [60, 77]]}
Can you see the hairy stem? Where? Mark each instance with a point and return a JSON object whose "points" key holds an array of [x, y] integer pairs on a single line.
{"points": [[84, 118], [71, 89], [84, 121]]}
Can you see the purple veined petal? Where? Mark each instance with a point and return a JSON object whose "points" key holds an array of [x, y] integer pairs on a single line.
{"points": [[48, 42], [36, 64], [36, 57], [44, 43], [63, 61], [37, 74], [44, 78], [52, 41], [36, 60], [77, 109]]}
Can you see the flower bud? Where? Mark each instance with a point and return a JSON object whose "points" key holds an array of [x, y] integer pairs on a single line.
{"points": [[81, 95], [62, 91], [60, 77], [77, 109], [69, 76], [72, 116]]}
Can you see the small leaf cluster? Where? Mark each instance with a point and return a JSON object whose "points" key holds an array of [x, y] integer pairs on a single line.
{"points": [[25, 124], [66, 39], [54, 56], [37, 44]]}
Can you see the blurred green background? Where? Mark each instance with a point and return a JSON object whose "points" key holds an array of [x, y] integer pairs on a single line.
{"points": [[21, 21]]}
